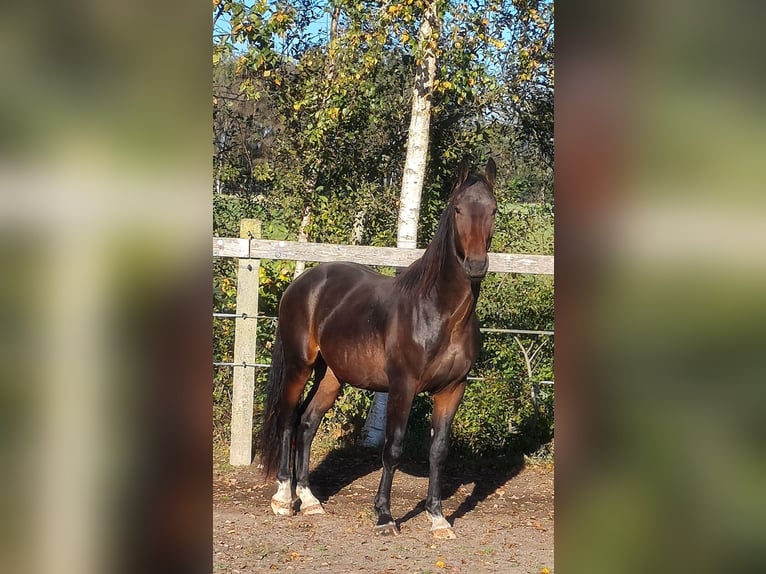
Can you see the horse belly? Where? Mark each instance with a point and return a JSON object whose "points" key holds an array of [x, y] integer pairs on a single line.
{"points": [[358, 365]]}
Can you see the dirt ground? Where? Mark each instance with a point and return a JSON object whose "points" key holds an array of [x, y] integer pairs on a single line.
{"points": [[503, 519]]}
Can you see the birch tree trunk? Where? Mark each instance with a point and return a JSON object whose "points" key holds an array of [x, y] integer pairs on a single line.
{"points": [[357, 231], [417, 136], [303, 235], [412, 181], [221, 141]]}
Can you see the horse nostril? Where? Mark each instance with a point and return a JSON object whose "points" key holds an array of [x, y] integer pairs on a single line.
{"points": [[476, 268]]}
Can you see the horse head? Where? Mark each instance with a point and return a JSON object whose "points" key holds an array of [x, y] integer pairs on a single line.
{"points": [[473, 208]]}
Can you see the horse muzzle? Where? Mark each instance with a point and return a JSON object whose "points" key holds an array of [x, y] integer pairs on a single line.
{"points": [[476, 268]]}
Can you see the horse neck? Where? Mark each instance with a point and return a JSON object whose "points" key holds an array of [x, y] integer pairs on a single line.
{"points": [[438, 279], [454, 291]]}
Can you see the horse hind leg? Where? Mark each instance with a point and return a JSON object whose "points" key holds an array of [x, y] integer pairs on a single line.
{"points": [[284, 500], [322, 398], [294, 353]]}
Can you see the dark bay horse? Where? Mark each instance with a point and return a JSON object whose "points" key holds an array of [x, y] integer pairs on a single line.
{"points": [[414, 333]]}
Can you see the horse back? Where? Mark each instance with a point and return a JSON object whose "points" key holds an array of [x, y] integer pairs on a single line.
{"points": [[360, 321], [340, 310]]}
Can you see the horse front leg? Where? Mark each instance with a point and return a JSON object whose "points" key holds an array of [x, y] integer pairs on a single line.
{"points": [[445, 406], [397, 413]]}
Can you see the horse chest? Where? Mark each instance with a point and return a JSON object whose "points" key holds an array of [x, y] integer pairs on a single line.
{"points": [[450, 365]]}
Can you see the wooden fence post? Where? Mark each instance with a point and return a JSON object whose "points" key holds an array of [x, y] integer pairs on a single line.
{"points": [[241, 448]]}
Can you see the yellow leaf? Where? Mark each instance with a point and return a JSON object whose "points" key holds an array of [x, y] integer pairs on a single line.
{"points": [[440, 563], [545, 570]]}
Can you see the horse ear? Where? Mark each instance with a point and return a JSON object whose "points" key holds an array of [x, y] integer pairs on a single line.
{"points": [[490, 172], [463, 169]]}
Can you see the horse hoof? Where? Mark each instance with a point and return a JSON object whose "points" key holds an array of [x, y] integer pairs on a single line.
{"points": [[443, 534], [281, 508], [313, 509], [389, 529]]}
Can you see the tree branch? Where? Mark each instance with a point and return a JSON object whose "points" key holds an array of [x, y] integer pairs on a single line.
{"points": [[218, 12]]}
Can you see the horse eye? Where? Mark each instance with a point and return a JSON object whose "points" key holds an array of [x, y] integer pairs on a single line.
{"points": [[494, 211], [457, 209]]}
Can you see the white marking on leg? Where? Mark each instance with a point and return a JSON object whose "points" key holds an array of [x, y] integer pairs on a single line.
{"points": [[439, 522], [440, 528], [309, 503], [284, 491], [282, 501]]}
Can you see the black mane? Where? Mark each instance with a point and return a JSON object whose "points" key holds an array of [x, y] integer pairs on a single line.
{"points": [[420, 277]]}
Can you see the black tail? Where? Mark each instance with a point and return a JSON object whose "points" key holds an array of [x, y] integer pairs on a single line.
{"points": [[271, 441]]}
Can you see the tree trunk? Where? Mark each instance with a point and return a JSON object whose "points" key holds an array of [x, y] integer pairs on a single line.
{"points": [[303, 236], [412, 181], [357, 231], [417, 136], [220, 141]]}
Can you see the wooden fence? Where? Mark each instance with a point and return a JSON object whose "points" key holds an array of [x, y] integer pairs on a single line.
{"points": [[250, 249]]}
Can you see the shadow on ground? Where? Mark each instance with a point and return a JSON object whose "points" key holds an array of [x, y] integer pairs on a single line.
{"points": [[343, 466]]}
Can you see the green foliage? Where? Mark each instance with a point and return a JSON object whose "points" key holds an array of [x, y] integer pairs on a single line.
{"points": [[482, 424], [343, 423], [305, 120]]}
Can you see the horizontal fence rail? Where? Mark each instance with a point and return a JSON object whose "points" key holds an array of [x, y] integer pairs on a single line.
{"points": [[249, 248], [365, 254]]}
